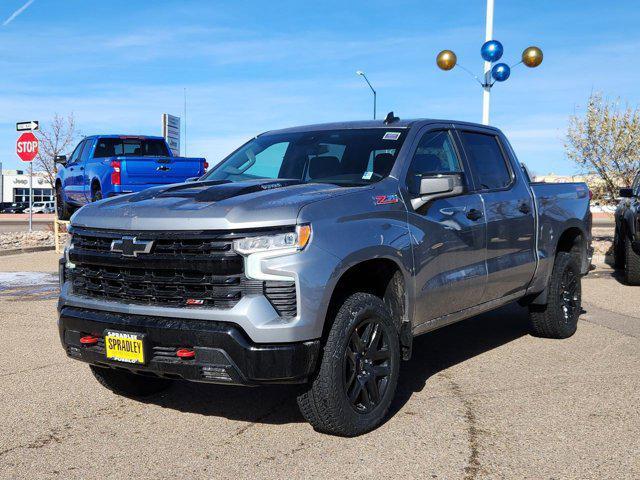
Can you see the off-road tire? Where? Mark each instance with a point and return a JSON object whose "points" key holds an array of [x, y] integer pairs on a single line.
{"points": [[631, 264], [129, 384], [325, 404], [63, 209], [619, 253], [556, 319]]}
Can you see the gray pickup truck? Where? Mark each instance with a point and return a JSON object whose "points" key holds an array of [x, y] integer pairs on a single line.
{"points": [[314, 255]]}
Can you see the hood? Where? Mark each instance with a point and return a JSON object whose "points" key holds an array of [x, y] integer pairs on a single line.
{"points": [[216, 205]]}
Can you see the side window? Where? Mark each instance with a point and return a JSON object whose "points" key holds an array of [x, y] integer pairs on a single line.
{"points": [[86, 150], [487, 160], [75, 156], [435, 154]]}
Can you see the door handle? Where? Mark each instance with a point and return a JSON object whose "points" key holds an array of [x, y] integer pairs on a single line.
{"points": [[81, 168], [71, 169], [474, 214], [163, 168], [524, 208]]}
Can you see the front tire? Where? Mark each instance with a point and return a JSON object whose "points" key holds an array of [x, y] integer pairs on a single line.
{"points": [[63, 209], [358, 374], [559, 317], [129, 384], [631, 264], [619, 253]]}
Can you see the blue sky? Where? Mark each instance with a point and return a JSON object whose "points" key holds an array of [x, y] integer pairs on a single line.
{"points": [[250, 66]]}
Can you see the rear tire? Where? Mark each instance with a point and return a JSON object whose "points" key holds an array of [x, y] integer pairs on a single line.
{"points": [[358, 374], [96, 195], [632, 264], [559, 317], [64, 211], [129, 384]]}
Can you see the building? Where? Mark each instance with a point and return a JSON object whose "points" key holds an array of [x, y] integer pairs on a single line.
{"points": [[14, 187]]}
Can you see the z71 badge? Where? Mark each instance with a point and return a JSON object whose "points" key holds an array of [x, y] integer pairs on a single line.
{"points": [[386, 199]]}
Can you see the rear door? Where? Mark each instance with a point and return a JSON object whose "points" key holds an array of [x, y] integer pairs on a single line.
{"points": [[449, 234], [509, 211]]}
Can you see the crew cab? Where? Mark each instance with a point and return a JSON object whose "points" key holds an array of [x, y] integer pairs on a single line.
{"points": [[626, 240], [314, 255], [107, 165]]}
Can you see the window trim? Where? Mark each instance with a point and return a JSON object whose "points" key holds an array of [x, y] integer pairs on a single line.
{"points": [[505, 159]]}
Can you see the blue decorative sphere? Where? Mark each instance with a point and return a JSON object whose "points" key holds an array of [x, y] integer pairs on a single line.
{"points": [[500, 72], [491, 51]]}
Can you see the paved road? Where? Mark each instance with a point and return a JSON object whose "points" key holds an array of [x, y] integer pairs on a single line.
{"points": [[480, 399]]}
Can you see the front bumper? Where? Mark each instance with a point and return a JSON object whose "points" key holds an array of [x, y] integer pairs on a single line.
{"points": [[224, 354]]}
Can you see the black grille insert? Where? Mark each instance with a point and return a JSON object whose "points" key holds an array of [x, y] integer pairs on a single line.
{"points": [[182, 269]]}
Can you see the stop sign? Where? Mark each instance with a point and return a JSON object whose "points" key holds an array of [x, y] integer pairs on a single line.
{"points": [[27, 147]]}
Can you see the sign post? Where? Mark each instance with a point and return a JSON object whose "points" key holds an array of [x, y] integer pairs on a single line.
{"points": [[171, 132], [27, 150]]}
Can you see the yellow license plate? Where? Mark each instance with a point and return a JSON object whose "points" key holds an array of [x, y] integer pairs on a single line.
{"points": [[124, 346]]}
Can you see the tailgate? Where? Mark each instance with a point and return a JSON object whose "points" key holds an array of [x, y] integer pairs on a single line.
{"points": [[159, 170]]}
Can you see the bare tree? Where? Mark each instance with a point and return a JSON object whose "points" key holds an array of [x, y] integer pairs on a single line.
{"points": [[58, 138], [605, 141]]}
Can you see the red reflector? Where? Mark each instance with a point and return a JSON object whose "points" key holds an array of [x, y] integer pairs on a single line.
{"points": [[185, 353], [88, 340]]}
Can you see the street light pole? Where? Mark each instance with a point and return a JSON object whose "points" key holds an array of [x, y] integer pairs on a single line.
{"points": [[486, 89], [362, 74]]}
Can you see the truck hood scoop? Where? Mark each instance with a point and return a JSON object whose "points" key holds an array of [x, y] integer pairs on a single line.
{"points": [[213, 191]]}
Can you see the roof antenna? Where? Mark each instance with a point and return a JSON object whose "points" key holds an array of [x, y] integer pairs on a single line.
{"points": [[390, 118]]}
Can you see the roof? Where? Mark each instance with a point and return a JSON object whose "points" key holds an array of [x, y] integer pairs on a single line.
{"points": [[402, 123], [153, 137]]}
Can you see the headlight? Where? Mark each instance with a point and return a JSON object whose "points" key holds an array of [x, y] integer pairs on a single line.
{"points": [[68, 246], [267, 243]]}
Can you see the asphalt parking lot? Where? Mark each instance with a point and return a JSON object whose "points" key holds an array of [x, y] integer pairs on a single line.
{"points": [[480, 399]]}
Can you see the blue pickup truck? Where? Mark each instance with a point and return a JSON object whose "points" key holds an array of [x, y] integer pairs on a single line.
{"points": [[103, 166]]}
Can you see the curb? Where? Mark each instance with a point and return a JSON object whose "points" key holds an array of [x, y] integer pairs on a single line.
{"points": [[17, 251]]}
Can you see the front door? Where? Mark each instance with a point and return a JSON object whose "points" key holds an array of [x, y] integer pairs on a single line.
{"points": [[509, 209], [73, 187], [448, 235]]}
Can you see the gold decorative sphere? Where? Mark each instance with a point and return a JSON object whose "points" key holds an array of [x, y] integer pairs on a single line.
{"points": [[446, 60], [532, 57]]}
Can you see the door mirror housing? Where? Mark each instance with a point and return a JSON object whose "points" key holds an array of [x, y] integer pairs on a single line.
{"points": [[430, 186], [626, 192], [61, 159]]}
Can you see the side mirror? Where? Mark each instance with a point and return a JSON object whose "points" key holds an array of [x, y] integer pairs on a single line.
{"points": [[626, 192], [61, 159], [427, 187]]}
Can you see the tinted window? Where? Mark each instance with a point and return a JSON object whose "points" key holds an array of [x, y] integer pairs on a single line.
{"points": [[487, 160], [341, 157], [435, 154], [76, 153], [130, 147]]}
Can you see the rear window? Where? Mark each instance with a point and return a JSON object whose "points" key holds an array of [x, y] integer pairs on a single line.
{"points": [[130, 147]]}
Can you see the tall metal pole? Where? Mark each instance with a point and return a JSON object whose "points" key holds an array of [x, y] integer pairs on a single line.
{"points": [[185, 122], [31, 196], [486, 89]]}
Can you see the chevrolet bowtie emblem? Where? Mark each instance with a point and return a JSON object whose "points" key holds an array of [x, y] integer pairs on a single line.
{"points": [[131, 246]]}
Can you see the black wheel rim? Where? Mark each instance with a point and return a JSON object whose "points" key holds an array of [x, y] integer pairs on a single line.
{"points": [[570, 293], [367, 366]]}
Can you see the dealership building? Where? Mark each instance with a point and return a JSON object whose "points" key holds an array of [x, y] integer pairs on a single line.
{"points": [[14, 187]]}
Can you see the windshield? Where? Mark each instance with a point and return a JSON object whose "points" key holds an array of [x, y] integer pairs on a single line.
{"points": [[342, 157], [131, 147]]}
